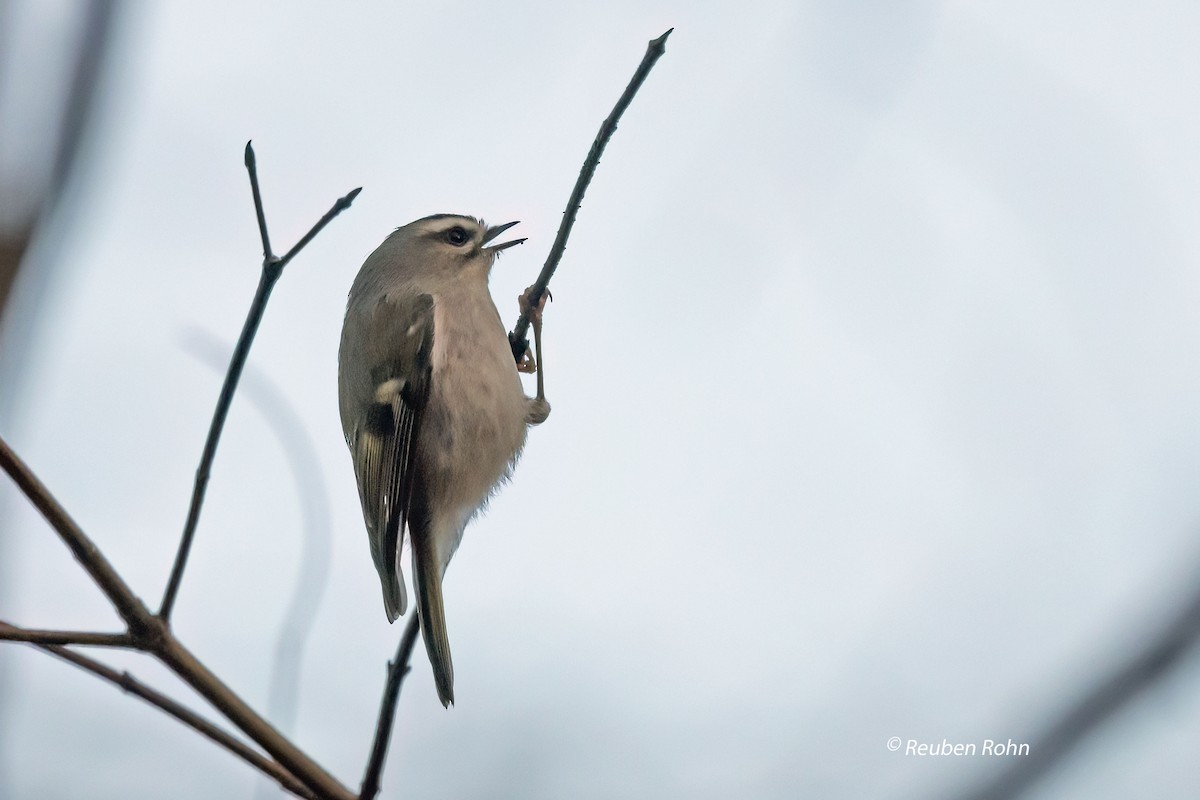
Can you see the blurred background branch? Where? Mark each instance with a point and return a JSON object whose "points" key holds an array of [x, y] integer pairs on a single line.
{"points": [[1155, 656], [39, 157], [312, 495]]}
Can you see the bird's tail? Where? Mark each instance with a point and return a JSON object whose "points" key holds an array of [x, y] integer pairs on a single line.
{"points": [[394, 600], [427, 575]]}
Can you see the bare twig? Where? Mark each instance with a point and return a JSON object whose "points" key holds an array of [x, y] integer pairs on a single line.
{"points": [[271, 270], [517, 337], [133, 686], [251, 162], [397, 669], [12, 633]]}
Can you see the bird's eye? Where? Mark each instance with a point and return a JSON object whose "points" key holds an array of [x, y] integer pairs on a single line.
{"points": [[457, 236]]}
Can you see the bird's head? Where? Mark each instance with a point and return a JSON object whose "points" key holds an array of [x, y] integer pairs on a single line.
{"points": [[433, 251], [452, 242]]}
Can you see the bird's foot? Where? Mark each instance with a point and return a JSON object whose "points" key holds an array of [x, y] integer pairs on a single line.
{"points": [[539, 408], [527, 364], [535, 314]]}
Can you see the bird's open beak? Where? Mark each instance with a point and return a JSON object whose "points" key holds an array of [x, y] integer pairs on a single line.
{"points": [[495, 231]]}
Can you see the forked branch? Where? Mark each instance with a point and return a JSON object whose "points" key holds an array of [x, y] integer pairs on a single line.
{"points": [[272, 269], [131, 685]]}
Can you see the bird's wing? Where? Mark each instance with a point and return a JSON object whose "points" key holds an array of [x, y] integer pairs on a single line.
{"points": [[399, 345]]}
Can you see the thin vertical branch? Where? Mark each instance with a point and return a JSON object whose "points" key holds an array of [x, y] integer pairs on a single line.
{"points": [[272, 269], [397, 669], [251, 162], [263, 293], [517, 337]]}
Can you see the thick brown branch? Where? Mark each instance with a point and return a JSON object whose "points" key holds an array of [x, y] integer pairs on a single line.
{"points": [[180, 712], [517, 337], [397, 669], [128, 605], [199, 677], [152, 635]]}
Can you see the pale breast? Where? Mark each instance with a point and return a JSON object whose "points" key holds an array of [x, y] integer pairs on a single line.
{"points": [[474, 426]]}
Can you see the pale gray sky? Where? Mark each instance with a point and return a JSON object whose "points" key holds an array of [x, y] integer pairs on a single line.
{"points": [[872, 360]]}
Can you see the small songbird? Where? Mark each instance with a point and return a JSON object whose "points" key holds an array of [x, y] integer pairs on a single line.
{"points": [[431, 403]]}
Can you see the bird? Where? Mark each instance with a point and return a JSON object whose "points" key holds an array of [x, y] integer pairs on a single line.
{"points": [[432, 405]]}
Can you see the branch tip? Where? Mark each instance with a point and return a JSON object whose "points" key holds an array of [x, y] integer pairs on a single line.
{"points": [[250, 154], [516, 336]]}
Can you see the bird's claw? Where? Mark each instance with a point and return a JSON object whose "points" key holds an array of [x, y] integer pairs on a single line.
{"points": [[535, 314], [527, 364]]}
